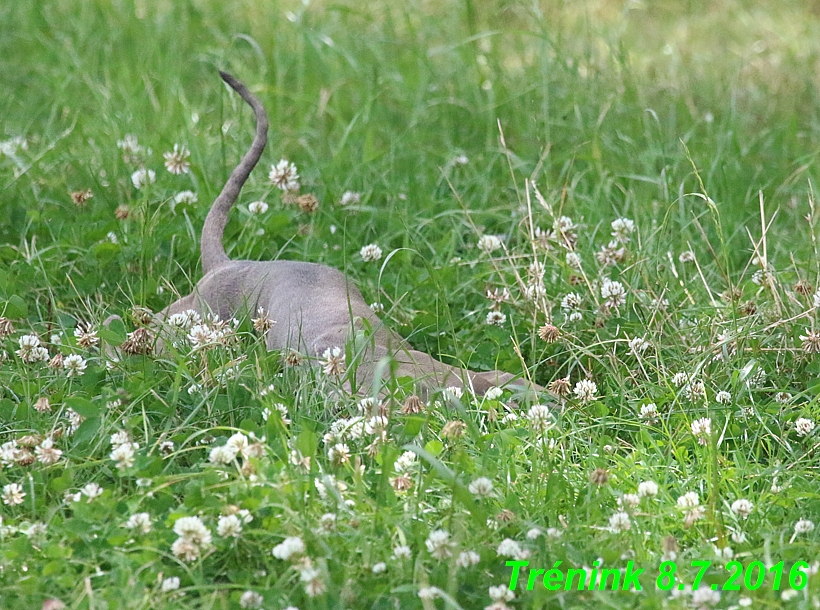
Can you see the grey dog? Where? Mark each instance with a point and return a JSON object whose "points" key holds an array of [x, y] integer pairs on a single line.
{"points": [[314, 307]]}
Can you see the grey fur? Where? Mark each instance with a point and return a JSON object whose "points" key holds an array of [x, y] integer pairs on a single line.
{"points": [[315, 307]]}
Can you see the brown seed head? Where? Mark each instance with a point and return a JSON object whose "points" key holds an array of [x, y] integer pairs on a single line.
{"points": [[24, 458], [141, 341], [293, 358], [453, 429], [141, 316], [749, 308], [549, 333], [803, 287], [43, 405], [402, 483], [308, 203], [6, 327], [599, 477], [122, 212], [559, 387], [290, 197], [80, 198], [669, 545], [505, 516], [412, 405], [30, 440]]}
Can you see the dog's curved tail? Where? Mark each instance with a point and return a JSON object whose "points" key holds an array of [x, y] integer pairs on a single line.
{"points": [[213, 252]]}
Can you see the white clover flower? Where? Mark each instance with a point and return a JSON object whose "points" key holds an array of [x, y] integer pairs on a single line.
{"points": [[290, 547], [30, 349], [257, 207], [508, 548], [13, 494], [438, 544], [572, 301], [648, 489], [620, 522], [564, 224], [689, 500], [702, 430], [534, 533], [86, 338], [742, 507], [379, 568], [622, 228], [649, 411], [695, 390], [467, 559], [493, 393], [184, 319], [573, 260], [540, 417], [585, 390], [816, 299], [123, 455], [704, 596], [251, 599], [803, 526], [186, 549], [452, 392], [284, 176], [192, 528], [339, 453], [554, 532], [201, 335], [495, 318], [370, 253], [120, 437], [229, 526], [333, 361], [678, 379], [687, 256], [638, 345], [185, 198], [613, 293], [723, 397], [349, 197], [141, 177], [489, 243], [223, 454], [535, 291], [141, 522], [177, 161], [803, 426], [482, 487], [630, 500], [170, 584], [91, 491], [28, 341], [429, 593], [501, 594], [47, 453], [74, 365], [11, 146], [402, 552], [406, 462]]}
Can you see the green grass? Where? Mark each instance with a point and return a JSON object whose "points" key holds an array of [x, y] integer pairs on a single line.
{"points": [[698, 121]]}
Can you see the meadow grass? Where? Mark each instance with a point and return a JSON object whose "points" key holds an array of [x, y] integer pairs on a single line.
{"points": [[634, 184]]}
